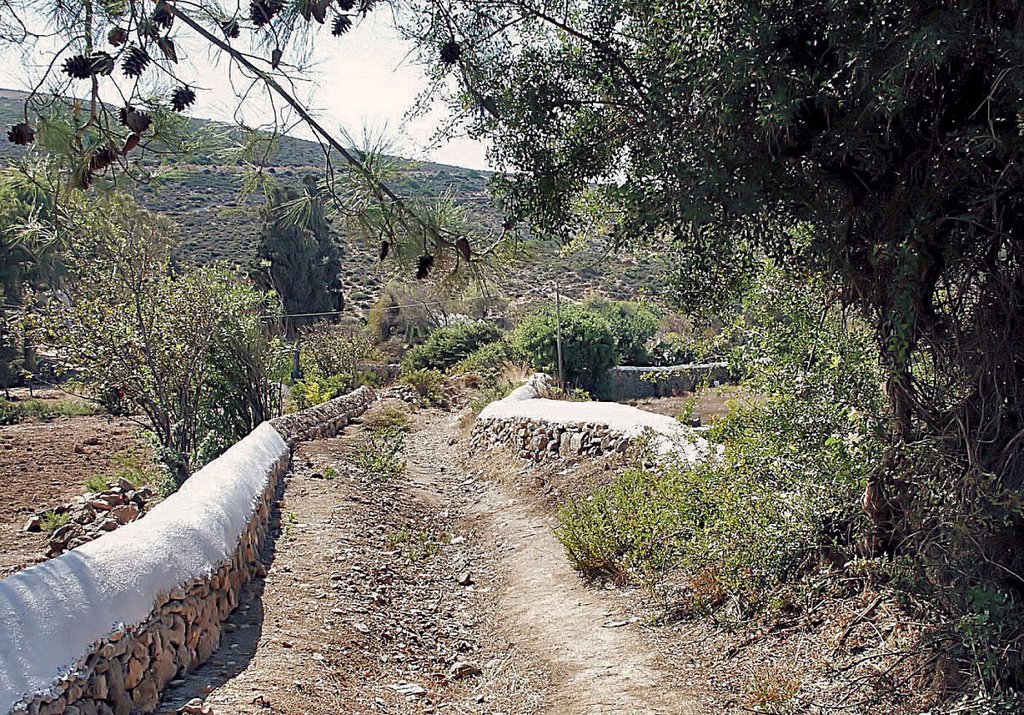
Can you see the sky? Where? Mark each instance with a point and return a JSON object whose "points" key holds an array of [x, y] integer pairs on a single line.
{"points": [[360, 81]]}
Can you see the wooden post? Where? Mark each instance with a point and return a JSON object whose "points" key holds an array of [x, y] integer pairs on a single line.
{"points": [[558, 334]]}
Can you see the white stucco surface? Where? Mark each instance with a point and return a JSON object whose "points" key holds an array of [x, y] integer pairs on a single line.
{"points": [[52, 613], [524, 402]]}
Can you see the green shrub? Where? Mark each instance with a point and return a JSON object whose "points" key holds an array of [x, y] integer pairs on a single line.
{"points": [[314, 390], [329, 350], [382, 453], [131, 467], [50, 521], [633, 326], [784, 490], [449, 345], [427, 383], [588, 344], [14, 411], [388, 417], [485, 360], [97, 483]]}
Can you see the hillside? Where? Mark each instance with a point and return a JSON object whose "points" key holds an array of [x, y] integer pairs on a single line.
{"points": [[215, 225]]}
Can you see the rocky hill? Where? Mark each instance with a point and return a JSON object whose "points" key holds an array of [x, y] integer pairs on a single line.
{"points": [[203, 200]]}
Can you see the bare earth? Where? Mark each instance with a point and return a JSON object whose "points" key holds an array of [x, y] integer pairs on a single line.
{"points": [[435, 591], [45, 464]]}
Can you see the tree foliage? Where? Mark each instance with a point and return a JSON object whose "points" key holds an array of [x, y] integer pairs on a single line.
{"points": [[299, 253], [165, 344]]}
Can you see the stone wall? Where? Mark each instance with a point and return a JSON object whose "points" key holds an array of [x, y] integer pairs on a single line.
{"points": [[324, 420], [222, 514], [630, 383], [537, 428], [127, 671], [540, 440]]}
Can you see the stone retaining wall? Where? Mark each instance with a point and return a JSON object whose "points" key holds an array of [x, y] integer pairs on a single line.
{"points": [[540, 440], [537, 428], [630, 383], [324, 420], [124, 671]]}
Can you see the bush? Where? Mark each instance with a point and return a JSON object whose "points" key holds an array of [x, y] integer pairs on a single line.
{"points": [[382, 454], [14, 411], [486, 360], [387, 417], [128, 466], [314, 390], [427, 383], [588, 344], [50, 521], [447, 346], [784, 490], [633, 325], [329, 350]]}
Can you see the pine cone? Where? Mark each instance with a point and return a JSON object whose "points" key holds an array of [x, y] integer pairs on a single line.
{"points": [[424, 266], [451, 51], [21, 134], [135, 61], [102, 63], [117, 36], [182, 98], [135, 120], [230, 28], [342, 24], [263, 11], [79, 67], [464, 248], [385, 249], [163, 16], [102, 158]]}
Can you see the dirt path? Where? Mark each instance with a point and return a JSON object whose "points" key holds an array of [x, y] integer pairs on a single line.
{"points": [[598, 664], [432, 592]]}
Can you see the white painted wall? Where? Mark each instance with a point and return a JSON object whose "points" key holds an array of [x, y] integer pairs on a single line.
{"points": [[53, 613]]}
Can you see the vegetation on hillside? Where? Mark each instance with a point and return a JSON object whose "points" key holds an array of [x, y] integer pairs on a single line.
{"points": [[869, 153], [188, 350]]}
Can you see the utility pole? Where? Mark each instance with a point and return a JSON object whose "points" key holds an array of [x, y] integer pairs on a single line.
{"points": [[558, 334]]}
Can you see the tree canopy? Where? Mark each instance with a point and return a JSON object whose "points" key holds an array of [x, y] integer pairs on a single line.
{"points": [[299, 256]]}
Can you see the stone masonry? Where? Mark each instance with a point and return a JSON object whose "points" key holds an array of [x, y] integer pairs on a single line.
{"points": [[126, 673]]}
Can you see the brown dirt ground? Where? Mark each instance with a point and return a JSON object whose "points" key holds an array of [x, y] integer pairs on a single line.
{"points": [[363, 611], [712, 403], [45, 464], [851, 649]]}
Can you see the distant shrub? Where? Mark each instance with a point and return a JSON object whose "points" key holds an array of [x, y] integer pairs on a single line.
{"points": [[313, 390], [388, 417], [329, 350], [588, 344], [673, 349], [427, 383], [14, 411], [447, 346], [633, 325], [485, 360], [129, 466]]}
